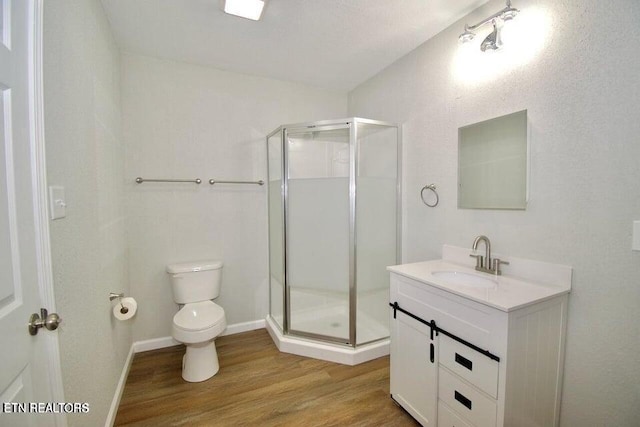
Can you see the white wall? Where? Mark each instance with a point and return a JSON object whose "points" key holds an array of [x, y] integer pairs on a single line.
{"points": [[581, 93], [187, 121], [86, 156]]}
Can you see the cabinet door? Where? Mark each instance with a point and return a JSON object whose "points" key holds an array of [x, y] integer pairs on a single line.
{"points": [[414, 369]]}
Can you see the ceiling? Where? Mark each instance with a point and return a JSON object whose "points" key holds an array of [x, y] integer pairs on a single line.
{"points": [[334, 44]]}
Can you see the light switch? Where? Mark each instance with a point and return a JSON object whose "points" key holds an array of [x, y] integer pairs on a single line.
{"points": [[636, 236], [57, 202]]}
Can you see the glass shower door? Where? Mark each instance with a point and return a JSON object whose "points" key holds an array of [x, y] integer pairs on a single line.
{"points": [[376, 226], [317, 215]]}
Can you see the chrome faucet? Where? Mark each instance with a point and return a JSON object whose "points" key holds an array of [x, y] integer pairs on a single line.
{"points": [[485, 263], [487, 245]]}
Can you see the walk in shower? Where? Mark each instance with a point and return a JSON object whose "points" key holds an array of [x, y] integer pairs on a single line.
{"points": [[333, 229]]}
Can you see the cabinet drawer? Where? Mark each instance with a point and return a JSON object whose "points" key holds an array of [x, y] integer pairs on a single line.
{"points": [[466, 400], [474, 367], [471, 321], [448, 418]]}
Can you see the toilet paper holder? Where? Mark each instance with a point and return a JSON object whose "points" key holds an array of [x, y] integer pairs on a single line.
{"points": [[112, 296]]}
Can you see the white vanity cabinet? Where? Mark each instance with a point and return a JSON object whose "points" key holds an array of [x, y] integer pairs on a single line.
{"points": [[486, 363]]}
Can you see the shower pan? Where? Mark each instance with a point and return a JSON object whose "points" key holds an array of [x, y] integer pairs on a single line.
{"points": [[334, 209]]}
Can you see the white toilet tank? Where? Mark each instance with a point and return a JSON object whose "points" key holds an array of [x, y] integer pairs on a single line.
{"points": [[195, 281]]}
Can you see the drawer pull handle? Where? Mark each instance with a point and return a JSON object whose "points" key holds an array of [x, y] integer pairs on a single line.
{"points": [[462, 399], [432, 353], [464, 362]]}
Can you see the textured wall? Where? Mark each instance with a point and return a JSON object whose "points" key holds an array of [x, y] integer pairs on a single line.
{"points": [[187, 121], [581, 89], [86, 156]]}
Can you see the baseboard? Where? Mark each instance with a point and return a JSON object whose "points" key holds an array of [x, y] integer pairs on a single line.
{"points": [[243, 327], [154, 344], [115, 403], [163, 342]]}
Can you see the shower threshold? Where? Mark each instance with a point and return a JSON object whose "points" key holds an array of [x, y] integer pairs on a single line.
{"points": [[326, 351]]}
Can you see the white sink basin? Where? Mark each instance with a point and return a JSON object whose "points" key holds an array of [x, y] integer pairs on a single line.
{"points": [[465, 279]]}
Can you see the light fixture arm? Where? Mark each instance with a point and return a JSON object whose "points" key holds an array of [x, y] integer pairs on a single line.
{"points": [[505, 14]]}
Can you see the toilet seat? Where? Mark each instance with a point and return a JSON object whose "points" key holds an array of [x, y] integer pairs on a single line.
{"points": [[198, 316]]}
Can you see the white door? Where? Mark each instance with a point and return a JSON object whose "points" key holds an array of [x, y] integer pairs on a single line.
{"points": [[24, 365], [414, 368]]}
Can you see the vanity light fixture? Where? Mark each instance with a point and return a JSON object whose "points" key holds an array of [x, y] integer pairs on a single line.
{"points": [[493, 41], [250, 9]]}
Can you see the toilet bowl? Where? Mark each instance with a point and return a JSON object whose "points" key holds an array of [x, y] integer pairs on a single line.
{"points": [[199, 321]]}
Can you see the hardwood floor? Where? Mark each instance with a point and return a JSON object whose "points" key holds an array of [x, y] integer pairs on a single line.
{"points": [[258, 385]]}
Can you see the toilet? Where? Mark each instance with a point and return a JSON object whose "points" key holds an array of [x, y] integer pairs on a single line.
{"points": [[200, 320]]}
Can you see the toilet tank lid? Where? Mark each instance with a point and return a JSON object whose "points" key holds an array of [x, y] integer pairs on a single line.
{"points": [[190, 267]]}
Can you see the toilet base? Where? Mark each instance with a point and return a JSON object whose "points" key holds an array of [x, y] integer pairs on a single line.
{"points": [[200, 362]]}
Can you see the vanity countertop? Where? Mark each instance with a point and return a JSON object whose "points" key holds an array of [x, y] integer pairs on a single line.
{"points": [[509, 292]]}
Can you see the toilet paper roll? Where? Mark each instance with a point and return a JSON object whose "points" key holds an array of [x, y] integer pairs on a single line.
{"points": [[130, 306]]}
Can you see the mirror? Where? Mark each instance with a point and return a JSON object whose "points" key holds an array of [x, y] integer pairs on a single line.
{"points": [[492, 163]]}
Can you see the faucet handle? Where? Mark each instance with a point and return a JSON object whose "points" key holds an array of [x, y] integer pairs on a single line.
{"points": [[479, 260], [497, 262]]}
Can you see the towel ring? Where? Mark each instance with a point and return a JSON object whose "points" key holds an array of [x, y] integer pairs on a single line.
{"points": [[431, 187]]}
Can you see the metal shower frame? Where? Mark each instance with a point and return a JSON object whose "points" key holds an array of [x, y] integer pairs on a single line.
{"points": [[351, 124]]}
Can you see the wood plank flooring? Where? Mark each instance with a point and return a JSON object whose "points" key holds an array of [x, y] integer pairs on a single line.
{"points": [[258, 386]]}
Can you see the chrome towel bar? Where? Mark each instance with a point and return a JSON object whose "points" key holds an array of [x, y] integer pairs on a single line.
{"points": [[212, 181], [215, 181], [140, 180]]}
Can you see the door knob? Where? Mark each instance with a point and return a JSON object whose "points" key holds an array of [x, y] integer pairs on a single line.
{"points": [[49, 321]]}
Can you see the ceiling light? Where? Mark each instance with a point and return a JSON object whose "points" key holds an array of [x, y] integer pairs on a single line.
{"points": [[250, 9]]}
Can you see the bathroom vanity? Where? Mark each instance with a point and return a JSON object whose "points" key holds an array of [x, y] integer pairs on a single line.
{"points": [[474, 349]]}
